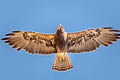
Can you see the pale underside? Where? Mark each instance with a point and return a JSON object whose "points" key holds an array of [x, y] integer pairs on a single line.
{"points": [[77, 42]]}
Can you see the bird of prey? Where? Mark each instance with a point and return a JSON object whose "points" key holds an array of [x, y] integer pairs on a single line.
{"points": [[61, 43]]}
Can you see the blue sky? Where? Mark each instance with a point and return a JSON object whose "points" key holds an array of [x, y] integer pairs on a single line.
{"points": [[44, 16]]}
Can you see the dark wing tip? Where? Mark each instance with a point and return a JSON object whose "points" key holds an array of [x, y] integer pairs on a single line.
{"points": [[18, 49], [117, 36], [107, 28], [4, 38], [16, 31], [115, 30], [9, 34]]}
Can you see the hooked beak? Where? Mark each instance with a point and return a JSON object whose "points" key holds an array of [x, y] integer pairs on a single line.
{"points": [[60, 28]]}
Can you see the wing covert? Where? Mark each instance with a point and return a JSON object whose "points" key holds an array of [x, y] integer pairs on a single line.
{"points": [[91, 39], [32, 42]]}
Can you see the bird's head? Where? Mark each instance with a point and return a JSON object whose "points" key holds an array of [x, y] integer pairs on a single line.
{"points": [[60, 29]]}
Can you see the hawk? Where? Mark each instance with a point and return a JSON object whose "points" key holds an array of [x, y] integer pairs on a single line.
{"points": [[62, 43]]}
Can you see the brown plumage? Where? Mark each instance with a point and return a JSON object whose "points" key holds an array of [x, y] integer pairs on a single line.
{"points": [[62, 42]]}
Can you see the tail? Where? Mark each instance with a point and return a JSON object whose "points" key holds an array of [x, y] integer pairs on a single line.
{"points": [[62, 63]]}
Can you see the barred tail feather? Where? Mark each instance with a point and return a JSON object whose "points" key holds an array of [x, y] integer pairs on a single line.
{"points": [[62, 63]]}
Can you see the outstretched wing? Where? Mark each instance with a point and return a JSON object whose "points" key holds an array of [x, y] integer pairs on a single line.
{"points": [[89, 40], [31, 42]]}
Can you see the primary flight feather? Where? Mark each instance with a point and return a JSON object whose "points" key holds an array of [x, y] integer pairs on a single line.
{"points": [[62, 43]]}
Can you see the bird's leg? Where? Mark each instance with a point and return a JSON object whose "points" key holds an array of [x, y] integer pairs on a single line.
{"points": [[62, 56]]}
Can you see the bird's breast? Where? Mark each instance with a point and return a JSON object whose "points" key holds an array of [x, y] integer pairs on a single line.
{"points": [[61, 41]]}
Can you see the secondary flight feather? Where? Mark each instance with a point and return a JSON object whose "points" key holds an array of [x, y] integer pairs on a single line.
{"points": [[61, 43]]}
